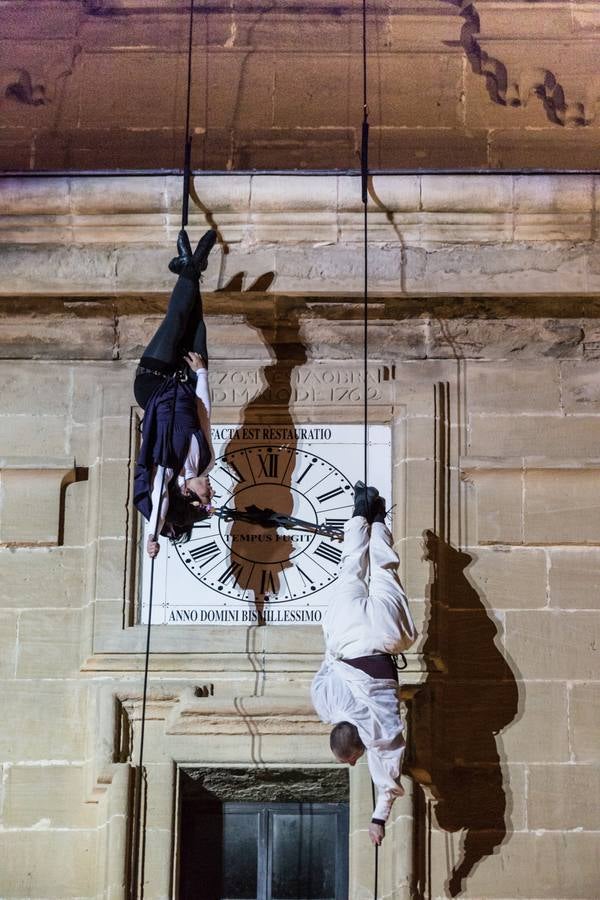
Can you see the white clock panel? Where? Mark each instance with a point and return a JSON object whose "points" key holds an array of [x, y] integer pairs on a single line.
{"points": [[239, 573]]}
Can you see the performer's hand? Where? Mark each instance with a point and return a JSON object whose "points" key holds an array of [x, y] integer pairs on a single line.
{"points": [[152, 547], [376, 833], [194, 361]]}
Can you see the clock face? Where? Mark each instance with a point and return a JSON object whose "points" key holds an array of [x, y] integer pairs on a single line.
{"points": [[239, 573], [249, 562]]}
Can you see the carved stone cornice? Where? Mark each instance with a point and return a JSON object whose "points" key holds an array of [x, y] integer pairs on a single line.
{"points": [[257, 340], [184, 713], [299, 234], [261, 210]]}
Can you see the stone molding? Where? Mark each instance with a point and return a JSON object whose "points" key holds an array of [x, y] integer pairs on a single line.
{"points": [[472, 234], [271, 713], [305, 349], [36, 485], [305, 209]]}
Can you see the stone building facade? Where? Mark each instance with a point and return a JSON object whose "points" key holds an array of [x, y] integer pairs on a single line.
{"points": [[501, 84], [484, 350]]}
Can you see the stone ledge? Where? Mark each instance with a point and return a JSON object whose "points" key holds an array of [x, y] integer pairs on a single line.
{"points": [[37, 483], [471, 464], [252, 209], [286, 329], [36, 462], [487, 234], [179, 660]]}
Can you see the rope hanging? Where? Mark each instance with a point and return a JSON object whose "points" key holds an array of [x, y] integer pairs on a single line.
{"points": [[187, 156], [137, 873], [364, 172], [364, 169], [136, 889]]}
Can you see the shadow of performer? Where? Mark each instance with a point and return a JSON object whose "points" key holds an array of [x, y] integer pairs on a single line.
{"points": [[469, 696], [277, 321]]}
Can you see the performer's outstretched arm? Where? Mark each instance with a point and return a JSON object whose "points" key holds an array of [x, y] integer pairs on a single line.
{"points": [[385, 768]]}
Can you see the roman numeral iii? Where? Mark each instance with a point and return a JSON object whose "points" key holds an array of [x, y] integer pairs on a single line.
{"points": [[326, 551]]}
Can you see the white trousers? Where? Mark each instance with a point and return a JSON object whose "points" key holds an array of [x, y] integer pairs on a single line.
{"points": [[370, 612]]}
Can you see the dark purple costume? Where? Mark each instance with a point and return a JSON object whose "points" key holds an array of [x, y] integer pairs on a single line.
{"points": [[166, 435]]}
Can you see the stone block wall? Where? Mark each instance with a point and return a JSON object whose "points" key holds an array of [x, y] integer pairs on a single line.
{"points": [[493, 403], [101, 85]]}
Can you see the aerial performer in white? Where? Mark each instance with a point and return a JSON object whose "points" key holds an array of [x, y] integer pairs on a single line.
{"points": [[172, 489], [356, 688]]}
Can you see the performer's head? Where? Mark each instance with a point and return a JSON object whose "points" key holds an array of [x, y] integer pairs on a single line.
{"points": [[198, 489], [345, 743], [186, 507]]}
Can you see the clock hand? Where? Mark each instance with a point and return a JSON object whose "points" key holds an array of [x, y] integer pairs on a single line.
{"points": [[252, 514], [268, 518], [285, 521]]}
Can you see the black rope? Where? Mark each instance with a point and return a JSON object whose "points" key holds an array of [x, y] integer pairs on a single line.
{"points": [[187, 155], [364, 171], [376, 877], [137, 877], [364, 168], [137, 882]]}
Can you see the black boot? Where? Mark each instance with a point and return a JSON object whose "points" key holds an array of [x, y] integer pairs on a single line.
{"points": [[188, 263], [377, 511], [184, 254], [364, 497], [205, 245]]}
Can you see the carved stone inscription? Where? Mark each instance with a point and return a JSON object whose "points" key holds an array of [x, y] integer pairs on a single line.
{"points": [[307, 385]]}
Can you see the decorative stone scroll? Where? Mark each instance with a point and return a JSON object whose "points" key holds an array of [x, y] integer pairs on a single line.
{"points": [[561, 75], [36, 88]]}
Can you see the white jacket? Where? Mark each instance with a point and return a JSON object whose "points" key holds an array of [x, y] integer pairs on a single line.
{"points": [[341, 693]]}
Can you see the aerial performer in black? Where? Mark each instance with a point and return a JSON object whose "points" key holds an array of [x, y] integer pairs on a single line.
{"points": [[172, 489], [356, 688]]}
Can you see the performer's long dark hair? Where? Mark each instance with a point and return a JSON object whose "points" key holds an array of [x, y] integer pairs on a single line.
{"points": [[183, 513]]}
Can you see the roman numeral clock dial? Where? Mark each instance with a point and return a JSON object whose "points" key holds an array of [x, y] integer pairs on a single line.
{"points": [[272, 553], [248, 562]]}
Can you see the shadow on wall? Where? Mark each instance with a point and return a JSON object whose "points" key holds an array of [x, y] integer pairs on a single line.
{"points": [[280, 334], [470, 694]]}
